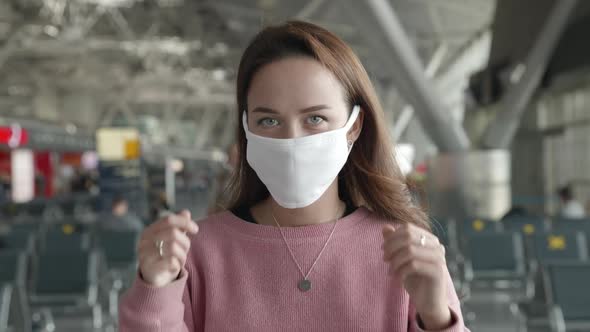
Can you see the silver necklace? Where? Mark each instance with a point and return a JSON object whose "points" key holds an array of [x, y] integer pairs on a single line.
{"points": [[304, 284]]}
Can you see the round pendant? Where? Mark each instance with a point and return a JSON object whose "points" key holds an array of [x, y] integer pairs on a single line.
{"points": [[304, 285]]}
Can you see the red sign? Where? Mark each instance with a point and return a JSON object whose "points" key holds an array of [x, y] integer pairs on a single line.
{"points": [[14, 136]]}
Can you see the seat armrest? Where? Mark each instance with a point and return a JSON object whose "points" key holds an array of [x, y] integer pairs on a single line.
{"points": [[556, 319]]}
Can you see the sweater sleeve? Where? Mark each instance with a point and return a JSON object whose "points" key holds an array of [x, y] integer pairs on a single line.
{"points": [[151, 309], [457, 323]]}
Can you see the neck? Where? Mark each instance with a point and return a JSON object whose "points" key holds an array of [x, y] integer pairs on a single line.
{"points": [[325, 210]]}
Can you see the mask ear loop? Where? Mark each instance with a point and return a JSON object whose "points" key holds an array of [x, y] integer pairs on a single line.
{"points": [[355, 111]]}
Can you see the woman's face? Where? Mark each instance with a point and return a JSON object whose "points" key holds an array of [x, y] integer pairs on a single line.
{"points": [[296, 97]]}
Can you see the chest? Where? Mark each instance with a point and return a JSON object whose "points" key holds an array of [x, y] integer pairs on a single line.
{"points": [[257, 284]]}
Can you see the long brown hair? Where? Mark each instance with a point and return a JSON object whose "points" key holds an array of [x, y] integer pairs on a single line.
{"points": [[371, 176]]}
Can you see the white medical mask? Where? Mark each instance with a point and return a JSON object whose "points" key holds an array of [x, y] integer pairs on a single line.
{"points": [[297, 171]]}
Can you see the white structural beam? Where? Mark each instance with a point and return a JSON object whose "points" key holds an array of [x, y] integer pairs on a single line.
{"points": [[444, 131], [407, 113], [501, 131], [472, 57]]}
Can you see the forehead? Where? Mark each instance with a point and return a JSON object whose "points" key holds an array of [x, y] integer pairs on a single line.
{"points": [[295, 82]]}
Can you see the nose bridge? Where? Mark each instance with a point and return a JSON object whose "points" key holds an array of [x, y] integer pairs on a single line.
{"points": [[292, 129]]}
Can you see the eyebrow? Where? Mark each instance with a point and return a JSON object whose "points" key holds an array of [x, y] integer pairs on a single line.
{"points": [[268, 110]]}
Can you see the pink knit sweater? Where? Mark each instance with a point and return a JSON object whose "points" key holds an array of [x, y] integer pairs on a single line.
{"points": [[239, 276]]}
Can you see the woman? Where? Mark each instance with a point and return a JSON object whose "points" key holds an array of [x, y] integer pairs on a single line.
{"points": [[321, 234]]}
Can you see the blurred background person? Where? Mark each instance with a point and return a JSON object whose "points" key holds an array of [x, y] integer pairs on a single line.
{"points": [[120, 218], [570, 208]]}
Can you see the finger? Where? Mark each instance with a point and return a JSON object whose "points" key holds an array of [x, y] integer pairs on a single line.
{"points": [[174, 250], [419, 268], [394, 246], [178, 221], [416, 253], [157, 226], [172, 235], [147, 260], [186, 213], [406, 236], [168, 249], [158, 265], [170, 253], [416, 233]]}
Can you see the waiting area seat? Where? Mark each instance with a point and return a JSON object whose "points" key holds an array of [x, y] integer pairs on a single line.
{"points": [[527, 225], [66, 284], [558, 246], [568, 299], [496, 258], [119, 251], [64, 238], [13, 274], [572, 225], [18, 239], [479, 225], [548, 248], [13, 267], [119, 247], [5, 301], [50, 269]]}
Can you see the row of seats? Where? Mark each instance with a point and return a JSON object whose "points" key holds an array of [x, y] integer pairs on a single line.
{"points": [[65, 270], [57, 208], [537, 264]]}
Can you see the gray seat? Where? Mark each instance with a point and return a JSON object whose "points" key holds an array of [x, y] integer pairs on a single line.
{"points": [[549, 247], [471, 226], [496, 262], [496, 255], [36, 208], [119, 251], [66, 283], [527, 225], [29, 226], [68, 206], [13, 272], [5, 300], [119, 247], [572, 225], [13, 267], [63, 239], [573, 221], [567, 296], [568, 246], [19, 240], [480, 225], [68, 277]]}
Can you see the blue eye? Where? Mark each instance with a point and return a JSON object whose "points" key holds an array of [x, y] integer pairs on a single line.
{"points": [[267, 122], [316, 119]]}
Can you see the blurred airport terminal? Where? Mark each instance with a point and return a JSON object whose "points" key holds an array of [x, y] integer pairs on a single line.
{"points": [[113, 112]]}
